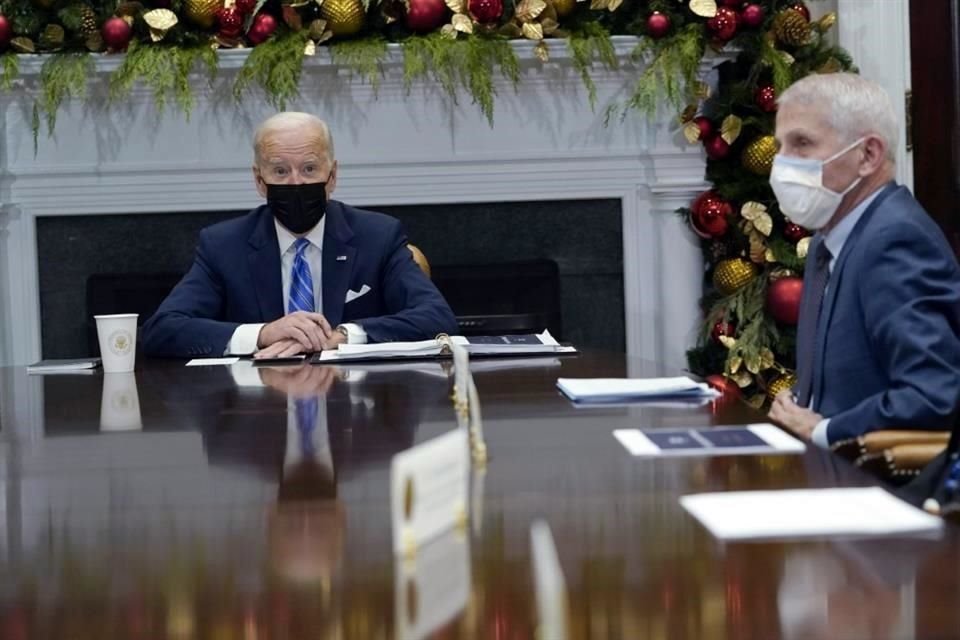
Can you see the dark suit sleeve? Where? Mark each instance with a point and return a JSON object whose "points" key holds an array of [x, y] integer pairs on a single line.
{"points": [[415, 308], [186, 324], [910, 297]]}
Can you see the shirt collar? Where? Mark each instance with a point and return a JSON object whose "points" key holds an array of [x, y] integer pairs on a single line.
{"points": [[837, 237], [286, 239]]}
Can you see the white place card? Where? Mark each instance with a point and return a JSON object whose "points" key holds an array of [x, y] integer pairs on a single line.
{"points": [[209, 362], [754, 439], [428, 489], [433, 589]]}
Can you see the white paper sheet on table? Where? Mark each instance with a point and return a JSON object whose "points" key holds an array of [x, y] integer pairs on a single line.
{"points": [[209, 362], [801, 513]]}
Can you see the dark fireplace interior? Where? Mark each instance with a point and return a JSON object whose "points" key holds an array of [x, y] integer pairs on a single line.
{"points": [[503, 267]]}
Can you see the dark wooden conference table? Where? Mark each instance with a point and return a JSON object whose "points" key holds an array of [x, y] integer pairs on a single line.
{"points": [[161, 505]]}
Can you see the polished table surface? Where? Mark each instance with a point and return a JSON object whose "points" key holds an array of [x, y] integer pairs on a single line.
{"points": [[162, 504]]}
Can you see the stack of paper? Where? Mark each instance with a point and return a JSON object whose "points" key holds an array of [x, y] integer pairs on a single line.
{"points": [[749, 515], [532, 344], [82, 365], [613, 390]]}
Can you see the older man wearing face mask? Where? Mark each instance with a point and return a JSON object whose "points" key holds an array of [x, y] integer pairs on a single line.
{"points": [[302, 273], [877, 340]]}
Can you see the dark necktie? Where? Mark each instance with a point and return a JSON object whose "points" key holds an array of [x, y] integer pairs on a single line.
{"points": [[809, 318]]}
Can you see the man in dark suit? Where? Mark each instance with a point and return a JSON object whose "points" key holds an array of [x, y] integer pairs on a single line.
{"points": [[877, 341], [300, 274]]}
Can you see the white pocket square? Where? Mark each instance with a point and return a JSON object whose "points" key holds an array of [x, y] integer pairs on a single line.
{"points": [[353, 295]]}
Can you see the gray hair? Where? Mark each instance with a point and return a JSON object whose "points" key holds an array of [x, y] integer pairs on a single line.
{"points": [[293, 120], [855, 106]]}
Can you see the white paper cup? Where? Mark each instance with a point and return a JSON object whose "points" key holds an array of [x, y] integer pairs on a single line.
{"points": [[118, 341], [120, 403]]}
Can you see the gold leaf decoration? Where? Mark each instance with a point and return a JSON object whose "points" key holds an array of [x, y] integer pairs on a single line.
{"points": [[728, 342], [764, 224], [753, 363], [528, 10], [462, 23], [827, 21], [803, 247], [752, 210], [160, 19], [756, 401], [733, 365], [310, 49], [704, 8], [769, 256], [457, 6], [541, 51], [742, 378], [688, 113], [758, 249], [532, 31], [702, 90], [691, 131], [730, 129], [767, 359], [448, 31], [832, 65]]}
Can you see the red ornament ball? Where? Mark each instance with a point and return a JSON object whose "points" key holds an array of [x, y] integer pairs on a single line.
{"points": [[783, 299], [702, 199], [802, 8], [245, 7], [794, 232], [716, 148], [766, 98], [721, 329], [485, 11], [424, 16], [712, 218], [723, 26], [6, 31], [728, 388], [706, 127], [230, 22], [658, 25], [752, 15], [116, 33], [262, 28]]}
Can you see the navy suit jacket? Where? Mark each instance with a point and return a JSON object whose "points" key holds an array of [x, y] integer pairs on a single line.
{"points": [[888, 352], [235, 279]]}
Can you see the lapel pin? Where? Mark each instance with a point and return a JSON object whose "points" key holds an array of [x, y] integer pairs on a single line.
{"points": [[341, 258]]}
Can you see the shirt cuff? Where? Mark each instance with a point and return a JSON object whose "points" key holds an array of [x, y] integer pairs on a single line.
{"points": [[244, 340], [819, 435], [355, 333]]}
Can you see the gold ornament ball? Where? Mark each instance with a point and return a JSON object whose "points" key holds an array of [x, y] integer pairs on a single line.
{"points": [[758, 155], [564, 7], [732, 275], [791, 28], [344, 17], [781, 383], [202, 13]]}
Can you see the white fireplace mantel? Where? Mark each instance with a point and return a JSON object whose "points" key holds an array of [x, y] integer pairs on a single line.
{"points": [[393, 146]]}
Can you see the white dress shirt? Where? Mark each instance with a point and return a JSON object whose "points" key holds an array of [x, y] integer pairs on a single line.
{"points": [[244, 339], [834, 240]]}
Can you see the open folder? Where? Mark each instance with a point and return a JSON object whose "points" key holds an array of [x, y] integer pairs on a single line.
{"points": [[442, 345]]}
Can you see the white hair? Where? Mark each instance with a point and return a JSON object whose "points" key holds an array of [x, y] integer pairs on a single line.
{"points": [[292, 120], [854, 106]]}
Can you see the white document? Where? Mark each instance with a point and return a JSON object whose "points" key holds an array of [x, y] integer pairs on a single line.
{"points": [[428, 489], [209, 362], [802, 513], [433, 588], [613, 390], [756, 439]]}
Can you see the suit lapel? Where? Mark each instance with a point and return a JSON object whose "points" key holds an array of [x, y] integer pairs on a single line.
{"points": [[833, 286], [263, 260], [339, 257]]}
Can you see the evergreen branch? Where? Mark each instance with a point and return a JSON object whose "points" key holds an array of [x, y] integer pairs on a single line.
{"points": [[10, 63], [671, 73], [363, 56], [62, 76], [165, 69], [592, 41], [276, 65]]}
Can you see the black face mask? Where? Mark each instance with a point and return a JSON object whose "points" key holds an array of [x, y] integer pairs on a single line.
{"points": [[298, 207]]}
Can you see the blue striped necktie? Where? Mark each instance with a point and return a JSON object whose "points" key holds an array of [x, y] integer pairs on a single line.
{"points": [[307, 410], [301, 282]]}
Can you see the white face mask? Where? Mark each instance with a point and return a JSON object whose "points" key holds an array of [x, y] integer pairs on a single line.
{"points": [[798, 185]]}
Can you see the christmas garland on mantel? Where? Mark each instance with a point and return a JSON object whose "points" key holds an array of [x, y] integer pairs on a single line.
{"points": [[754, 254]]}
